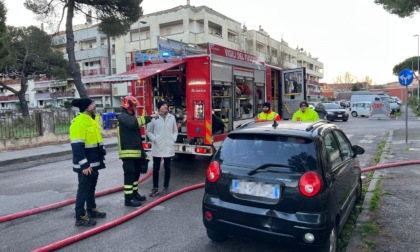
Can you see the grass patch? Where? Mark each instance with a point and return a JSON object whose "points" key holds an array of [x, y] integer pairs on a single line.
{"points": [[381, 147], [369, 229], [374, 202]]}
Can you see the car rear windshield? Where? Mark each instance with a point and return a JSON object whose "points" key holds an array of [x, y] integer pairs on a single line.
{"points": [[256, 150], [332, 106]]}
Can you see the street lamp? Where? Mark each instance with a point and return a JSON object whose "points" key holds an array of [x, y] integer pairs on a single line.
{"points": [[418, 68], [142, 58]]}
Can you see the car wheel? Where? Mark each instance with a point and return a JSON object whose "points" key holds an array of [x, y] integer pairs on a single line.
{"points": [[216, 236], [331, 243], [345, 120], [354, 114]]}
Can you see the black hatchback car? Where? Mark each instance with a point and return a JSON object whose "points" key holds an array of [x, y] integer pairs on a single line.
{"points": [[331, 111], [288, 182]]}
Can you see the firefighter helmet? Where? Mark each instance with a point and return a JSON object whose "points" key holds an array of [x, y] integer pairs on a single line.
{"points": [[129, 102]]}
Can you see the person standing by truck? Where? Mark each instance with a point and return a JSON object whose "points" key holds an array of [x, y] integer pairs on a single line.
{"points": [[267, 114], [163, 132], [130, 149], [305, 113], [88, 158]]}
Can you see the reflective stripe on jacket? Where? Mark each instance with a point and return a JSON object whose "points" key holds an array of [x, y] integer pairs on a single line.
{"points": [[86, 143], [129, 137], [270, 116]]}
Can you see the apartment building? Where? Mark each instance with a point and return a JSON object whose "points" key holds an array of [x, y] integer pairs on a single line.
{"points": [[9, 100], [198, 25], [183, 27]]}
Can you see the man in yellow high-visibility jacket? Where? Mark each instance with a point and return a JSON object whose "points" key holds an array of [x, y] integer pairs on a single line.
{"points": [[305, 113], [88, 157], [267, 114]]}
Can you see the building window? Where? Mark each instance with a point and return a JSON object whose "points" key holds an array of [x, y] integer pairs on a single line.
{"points": [[168, 31]]}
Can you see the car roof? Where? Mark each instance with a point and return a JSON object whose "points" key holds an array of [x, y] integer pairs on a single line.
{"points": [[291, 128]]}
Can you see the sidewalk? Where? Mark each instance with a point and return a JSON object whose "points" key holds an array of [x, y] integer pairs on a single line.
{"points": [[43, 152], [398, 212]]}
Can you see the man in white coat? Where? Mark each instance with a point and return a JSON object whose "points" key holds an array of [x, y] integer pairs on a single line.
{"points": [[163, 132]]}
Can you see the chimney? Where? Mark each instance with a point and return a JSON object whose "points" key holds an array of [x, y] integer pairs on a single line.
{"points": [[188, 2]]}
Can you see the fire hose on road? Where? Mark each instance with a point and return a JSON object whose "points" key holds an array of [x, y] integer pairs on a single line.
{"points": [[111, 224], [64, 203]]}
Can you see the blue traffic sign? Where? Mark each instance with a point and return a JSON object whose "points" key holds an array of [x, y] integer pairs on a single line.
{"points": [[405, 77]]}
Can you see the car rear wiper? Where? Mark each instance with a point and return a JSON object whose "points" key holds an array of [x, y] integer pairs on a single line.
{"points": [[253, 171]]}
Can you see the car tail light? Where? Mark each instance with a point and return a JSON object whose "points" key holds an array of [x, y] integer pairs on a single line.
{"points": [[213, 171], [202, 150], [310, 184]]}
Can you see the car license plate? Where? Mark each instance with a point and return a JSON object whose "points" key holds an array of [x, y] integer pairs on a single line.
{"points": [[259, 189], [339, 115]]}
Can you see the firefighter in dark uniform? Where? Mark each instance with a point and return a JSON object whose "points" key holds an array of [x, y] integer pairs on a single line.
{"points": [[88, 158], [130, 149]]}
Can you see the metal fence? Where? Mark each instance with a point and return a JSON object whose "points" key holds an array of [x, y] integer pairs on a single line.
{"points": [[62, 121], [13, 125]]}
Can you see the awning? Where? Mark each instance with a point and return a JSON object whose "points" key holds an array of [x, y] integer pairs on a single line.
{"points": [[274, 67], [91, 80], [142, 72], [58, 84]]}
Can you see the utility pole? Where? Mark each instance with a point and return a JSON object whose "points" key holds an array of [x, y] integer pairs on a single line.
{"points": [[418, 67]]}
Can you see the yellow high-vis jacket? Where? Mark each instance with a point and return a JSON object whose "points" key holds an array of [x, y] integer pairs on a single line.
{"points": [[86, 143]]}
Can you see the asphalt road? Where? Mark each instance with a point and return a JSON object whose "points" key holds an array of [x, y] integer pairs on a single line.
{"points": [[175, 225]]}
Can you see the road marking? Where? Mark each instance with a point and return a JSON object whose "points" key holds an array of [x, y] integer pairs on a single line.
{"points": [[368, 139]]}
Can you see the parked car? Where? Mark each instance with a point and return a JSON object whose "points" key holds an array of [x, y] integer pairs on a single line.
{"points": [[397, 100], [361, 109], [331, 112], [288, 182], [311, 105], [344, 104]]}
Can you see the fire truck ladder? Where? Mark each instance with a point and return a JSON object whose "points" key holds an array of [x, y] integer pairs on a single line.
{"points": [[141, 97]]}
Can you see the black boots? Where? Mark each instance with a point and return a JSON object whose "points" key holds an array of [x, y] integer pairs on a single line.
{"points": [[85, 221], [131, 201], [138, 197], [94, 213]]}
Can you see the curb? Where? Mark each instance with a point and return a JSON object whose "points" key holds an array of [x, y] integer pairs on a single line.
{"points": [[356, 242]]}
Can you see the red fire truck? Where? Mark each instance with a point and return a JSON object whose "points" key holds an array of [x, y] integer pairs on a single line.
{"points": [[231, 84]]}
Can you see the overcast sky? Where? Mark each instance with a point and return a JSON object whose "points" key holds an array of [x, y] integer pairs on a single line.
{"points": [[355, 36]]}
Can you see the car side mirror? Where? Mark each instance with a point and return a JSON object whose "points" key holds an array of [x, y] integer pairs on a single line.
{"points": [[357, 150]]}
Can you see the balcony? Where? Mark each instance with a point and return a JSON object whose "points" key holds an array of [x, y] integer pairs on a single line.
{"points": [[99, 91], [61, 94], [95, 72], [9, 98], [42, 96]]}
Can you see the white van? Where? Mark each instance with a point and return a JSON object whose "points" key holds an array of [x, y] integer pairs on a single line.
{"points": [[363, 96], [361, 108]]}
